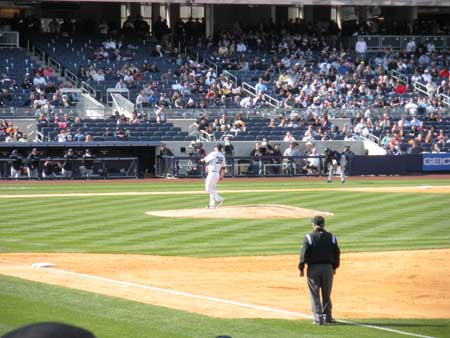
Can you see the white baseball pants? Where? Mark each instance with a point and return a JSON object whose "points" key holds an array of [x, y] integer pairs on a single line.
{"points": [[15, 173], [210, 186]]}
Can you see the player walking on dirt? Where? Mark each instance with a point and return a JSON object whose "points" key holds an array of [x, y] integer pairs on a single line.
{"points": [[321, 253], [215, 166], [333, 160]]}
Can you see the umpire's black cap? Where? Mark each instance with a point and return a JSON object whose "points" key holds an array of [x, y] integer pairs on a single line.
{"points": [[318, 220], [49, 330]]}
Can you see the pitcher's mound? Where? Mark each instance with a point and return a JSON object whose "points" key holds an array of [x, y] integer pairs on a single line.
{"points": [[243, 212]]}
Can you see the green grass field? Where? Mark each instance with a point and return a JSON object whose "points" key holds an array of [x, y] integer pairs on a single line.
{"points": [[116, 224]]}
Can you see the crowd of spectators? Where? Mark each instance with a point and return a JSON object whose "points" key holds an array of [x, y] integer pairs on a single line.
{"points": [[73, 129], [10, 133], [38, 90], [300, 64], [228, 127]]}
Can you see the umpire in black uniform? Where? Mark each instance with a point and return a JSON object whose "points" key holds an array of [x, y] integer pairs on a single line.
{"points": [[321, 253]]}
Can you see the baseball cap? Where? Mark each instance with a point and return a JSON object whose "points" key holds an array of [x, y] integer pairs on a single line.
{"points": [[219, 146], [318, 220], [49, 330]]}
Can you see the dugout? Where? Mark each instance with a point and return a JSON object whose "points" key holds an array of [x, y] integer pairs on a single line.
{"points": [[145, 152]]}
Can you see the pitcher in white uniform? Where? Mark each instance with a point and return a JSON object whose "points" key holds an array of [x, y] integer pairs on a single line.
{"points": [[215, 166]]}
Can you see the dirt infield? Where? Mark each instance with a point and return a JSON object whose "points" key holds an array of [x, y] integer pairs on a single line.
{"points": [[242, 212], [235, 179], [377, 285], [425, 189]]}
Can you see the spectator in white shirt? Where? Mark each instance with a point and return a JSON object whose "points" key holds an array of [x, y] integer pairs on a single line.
{"points": [[401, 66], [141, 99], [210, 80], [39, 81], [416, 77], [424, 59], [411, 46], [286, 62], [98, 76], [289, 137], [241, 47], [178, 87], [361, 48], [411, 107], [128, 77], [431, 87], [121, 84], [211, 73], [430, 47], [309, 134], [426, 77], [61, 137], [110, 44], [247, 102], [361, 128], [42, 101]]}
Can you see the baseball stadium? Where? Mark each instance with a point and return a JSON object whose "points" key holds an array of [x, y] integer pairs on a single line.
{"points": [[224, 169]]}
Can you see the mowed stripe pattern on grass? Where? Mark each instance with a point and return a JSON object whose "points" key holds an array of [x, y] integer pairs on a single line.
{"points": [[363, 221]]}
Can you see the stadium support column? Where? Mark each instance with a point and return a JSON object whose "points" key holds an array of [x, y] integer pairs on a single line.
{"points": [[155, 11], [413, 13], [301, 11], [168, 18], [273, 14], [209, 20], [335, 15], [308, 13], [174, 13]]}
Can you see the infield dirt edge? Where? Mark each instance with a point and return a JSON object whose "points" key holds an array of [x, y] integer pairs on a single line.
{"points": [[369, 285]]}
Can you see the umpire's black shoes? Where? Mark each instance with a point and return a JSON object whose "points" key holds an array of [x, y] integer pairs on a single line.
{"points": [[321, 321]]}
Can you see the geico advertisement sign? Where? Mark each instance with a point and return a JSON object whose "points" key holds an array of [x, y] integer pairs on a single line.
{"points": [[437, 161]]}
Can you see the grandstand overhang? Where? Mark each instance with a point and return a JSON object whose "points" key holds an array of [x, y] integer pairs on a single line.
{"points": [[428, 3]]}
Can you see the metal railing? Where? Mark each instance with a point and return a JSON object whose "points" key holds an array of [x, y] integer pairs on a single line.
{"points": [[399, 77], [90, 107], [211, 64], [122, 105], [54, 64], [88, 89], [445, 99], [69, 76], [251, 90], [188, 52], [399, 42], [233, 78], [125, 92], [244, 166], [57, 168], [264, 112], [421, 88], [9, 39]]}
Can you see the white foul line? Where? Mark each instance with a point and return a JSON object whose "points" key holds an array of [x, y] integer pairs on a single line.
{"points": [[227, 301]]}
